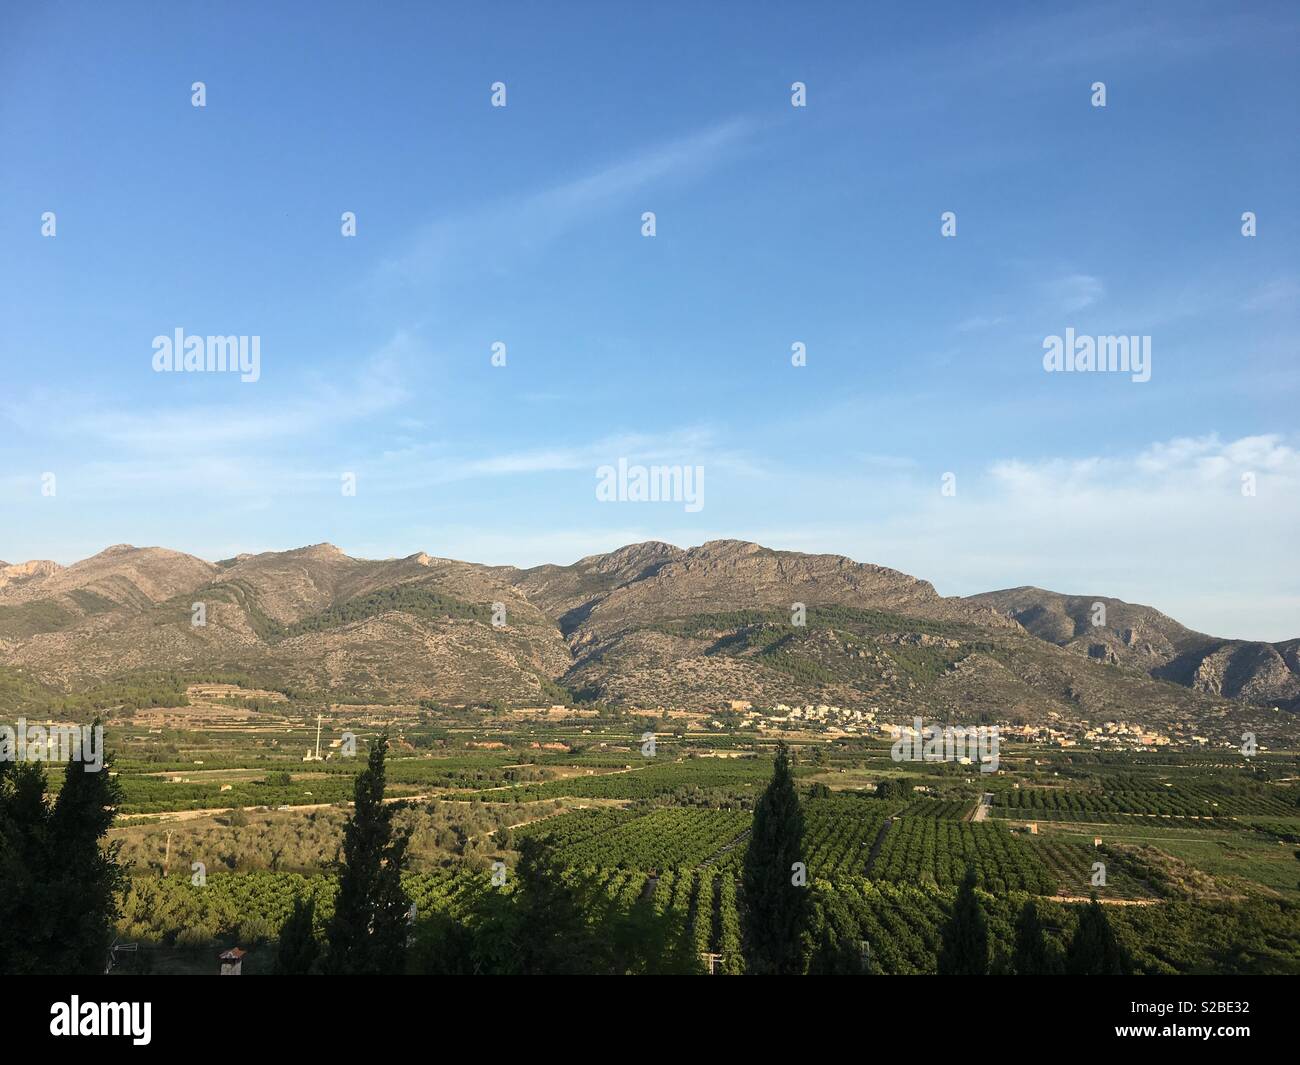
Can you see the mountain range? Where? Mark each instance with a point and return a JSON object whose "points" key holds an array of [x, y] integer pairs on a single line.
{"points": [[647, 626]]}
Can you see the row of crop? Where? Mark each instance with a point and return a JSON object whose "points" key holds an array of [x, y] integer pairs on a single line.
{"points": [[671, 925], [666, 837], [645, 780], [838, 836], [925, 851], [1075, 868], [250, 907], [662, 838], [1192, 800], [946, 809]]}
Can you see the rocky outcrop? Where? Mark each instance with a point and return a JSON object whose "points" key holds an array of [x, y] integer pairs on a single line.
{"points": [[1143, 638], [21, 572]]}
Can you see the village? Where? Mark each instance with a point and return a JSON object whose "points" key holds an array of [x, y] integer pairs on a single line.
{"points": [[843, 721]]}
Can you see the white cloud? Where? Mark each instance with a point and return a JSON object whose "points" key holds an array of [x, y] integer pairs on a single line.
{"points": [[258, 414], [1074, 292], [503, 233], [979, 322], [1169, 527]]}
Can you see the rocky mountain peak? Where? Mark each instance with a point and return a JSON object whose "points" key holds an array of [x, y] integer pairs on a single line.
{"points": [[25, 571]]}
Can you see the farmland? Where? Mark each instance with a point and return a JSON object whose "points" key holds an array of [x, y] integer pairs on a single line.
{"points": [[1197, 855]]}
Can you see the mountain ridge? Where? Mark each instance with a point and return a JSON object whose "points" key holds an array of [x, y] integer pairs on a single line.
{"points": [[649, 624], [1143, 637]]}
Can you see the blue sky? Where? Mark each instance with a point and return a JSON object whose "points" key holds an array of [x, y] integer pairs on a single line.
{"points": [[775, 225]]}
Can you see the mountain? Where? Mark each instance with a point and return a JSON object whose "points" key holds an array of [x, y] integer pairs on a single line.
{"points": [[311, 619], [647, 626], [1141, 637], [10, 574]]}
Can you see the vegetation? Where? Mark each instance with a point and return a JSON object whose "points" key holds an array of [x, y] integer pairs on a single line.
{"points": [[298, 948], [59, 887], [965, 950], [409, 599], [1094, 950], [656, 865], [368, 929], [1034, 955], [776, 911]]}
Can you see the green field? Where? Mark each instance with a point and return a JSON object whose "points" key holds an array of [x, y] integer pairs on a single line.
{"points": [[654, 846]]}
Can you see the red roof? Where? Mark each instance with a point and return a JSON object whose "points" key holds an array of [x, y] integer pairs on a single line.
{"points": [[233, 954]]}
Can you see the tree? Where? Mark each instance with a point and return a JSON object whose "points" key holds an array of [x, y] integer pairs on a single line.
{"points": [[368, 931], [1094, 950], [777, 908], [84, 878], [837, 948], [1034, 954], [59, 885], [298, 948], [24, 815], [899, 788], [551, 933], [965, 950]]}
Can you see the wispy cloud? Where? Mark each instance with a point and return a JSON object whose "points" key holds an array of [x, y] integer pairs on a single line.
{"points": [[436, 463], [1282, 293], [310, 407], [504, 232], [1074, 292], [979, 322]]}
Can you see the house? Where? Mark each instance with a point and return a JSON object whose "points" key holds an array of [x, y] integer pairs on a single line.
{"points": [[232, 961]]}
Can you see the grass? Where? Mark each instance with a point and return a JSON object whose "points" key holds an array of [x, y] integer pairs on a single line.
{"points": [[1222, 853]]}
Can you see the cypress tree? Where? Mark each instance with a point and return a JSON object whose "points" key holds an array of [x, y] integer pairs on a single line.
{"points": [[368, 931], [83, 877], [298, 948], [776, 911], [1033, 954], [58, 885], [965, 950], [25, 928], [1094, 950]]}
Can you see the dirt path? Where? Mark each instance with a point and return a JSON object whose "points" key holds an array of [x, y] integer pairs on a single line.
{"points": [[982, 810], [530, 821], [611, 773], [212, 811], [1104, 902], [189, 815]]}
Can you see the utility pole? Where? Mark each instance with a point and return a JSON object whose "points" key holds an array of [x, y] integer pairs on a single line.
{"points": [[318, 737], [167, 857]]}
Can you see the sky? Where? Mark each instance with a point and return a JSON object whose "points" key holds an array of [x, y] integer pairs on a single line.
{"points": [[923, 431]]}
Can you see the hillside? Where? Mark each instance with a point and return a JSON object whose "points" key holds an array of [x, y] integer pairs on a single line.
{"points": [[1140, 637], [647, 626]]}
